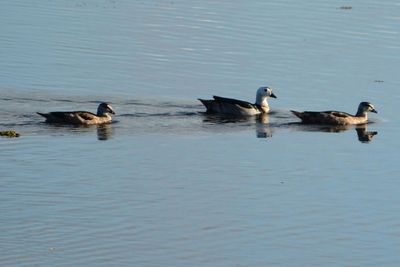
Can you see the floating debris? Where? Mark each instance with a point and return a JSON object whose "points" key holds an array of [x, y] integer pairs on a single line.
{"points": [[9, 134], [378, 81], [346, 7]]}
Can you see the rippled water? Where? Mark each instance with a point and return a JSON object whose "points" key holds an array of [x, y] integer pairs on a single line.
{"points": [[167, 185]]}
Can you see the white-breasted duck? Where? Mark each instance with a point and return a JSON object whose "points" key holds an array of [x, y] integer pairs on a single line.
{"points": [[229, 106]]}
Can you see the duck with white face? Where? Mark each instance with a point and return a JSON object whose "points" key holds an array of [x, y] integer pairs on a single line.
{"points": [[229, 106], [104, 112], [337, 117]]}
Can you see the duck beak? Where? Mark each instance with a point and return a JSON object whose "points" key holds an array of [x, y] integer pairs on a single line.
{"points": [[272, 95], [112, 111], [374, 111]]}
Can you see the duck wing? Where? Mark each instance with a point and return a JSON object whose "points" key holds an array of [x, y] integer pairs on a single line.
{"points": [[85, 115], [323, 117], [232, 101], [56, 116], [338, 114], [74, 117]]}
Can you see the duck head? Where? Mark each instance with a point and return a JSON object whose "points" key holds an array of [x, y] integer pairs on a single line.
{"points": [[105, 108], [265, 91], [262, 94], [366, 107]]}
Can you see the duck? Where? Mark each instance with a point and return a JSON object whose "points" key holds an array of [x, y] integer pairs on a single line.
{"points": [[337, 117], [103, 116], [229, 106]]}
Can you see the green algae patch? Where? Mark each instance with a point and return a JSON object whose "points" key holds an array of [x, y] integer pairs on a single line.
{"points": [[9, 134]]}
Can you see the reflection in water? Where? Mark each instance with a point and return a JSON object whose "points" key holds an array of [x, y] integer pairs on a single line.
{"points": [[263, 128], [104, 132], [222, 118], [261, 122], [363, 134]]}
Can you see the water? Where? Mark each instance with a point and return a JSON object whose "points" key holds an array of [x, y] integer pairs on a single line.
{"points": [[166, 185]]}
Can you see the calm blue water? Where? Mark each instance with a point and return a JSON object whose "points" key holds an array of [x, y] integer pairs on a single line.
{"points": [[166, 185]]}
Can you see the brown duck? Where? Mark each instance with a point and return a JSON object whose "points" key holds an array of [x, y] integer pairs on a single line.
{"points": [[337, 117], [81, 117]]}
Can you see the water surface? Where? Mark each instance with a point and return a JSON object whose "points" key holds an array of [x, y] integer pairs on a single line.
{"points": [[166, 184]]}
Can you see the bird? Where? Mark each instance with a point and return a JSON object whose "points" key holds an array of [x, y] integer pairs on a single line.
{"points": [[229, 106], [81, 117], [337, 117]]}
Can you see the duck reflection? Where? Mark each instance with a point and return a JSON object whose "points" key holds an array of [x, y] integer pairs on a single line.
{"points": [[263, 129], [223, 119], [261, 122], [104, 132], [363, 135]]}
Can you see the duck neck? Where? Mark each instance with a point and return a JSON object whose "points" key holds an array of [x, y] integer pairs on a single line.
{"points": [[362, 113], [262, 103], [104, 115]]}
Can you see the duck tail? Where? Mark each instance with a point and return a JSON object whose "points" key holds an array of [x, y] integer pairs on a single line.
{"points": [[297, 113], [211, 105], [204, 101], [42, 114]]}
